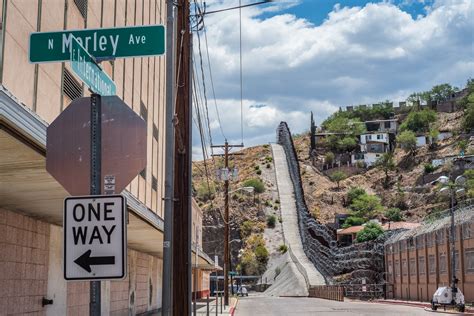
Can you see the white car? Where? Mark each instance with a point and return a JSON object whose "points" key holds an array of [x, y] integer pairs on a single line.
{"points": [[242, 291]]}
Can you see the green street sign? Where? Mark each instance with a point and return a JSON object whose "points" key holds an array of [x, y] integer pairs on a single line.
{"points": [[133, 41], [84, 66]]}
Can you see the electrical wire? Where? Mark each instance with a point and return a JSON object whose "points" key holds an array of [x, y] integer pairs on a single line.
{"points": [[241, 80]]}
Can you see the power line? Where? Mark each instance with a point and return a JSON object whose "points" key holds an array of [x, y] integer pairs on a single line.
{"points": [[241, 81]]}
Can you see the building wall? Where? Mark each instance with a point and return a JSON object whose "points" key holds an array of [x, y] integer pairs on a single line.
{"points": [[138, 80], [375, 137], [31, 268], [417, 267]]}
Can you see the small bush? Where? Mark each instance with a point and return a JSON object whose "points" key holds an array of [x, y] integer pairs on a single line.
{"points": [[329, 158], [277, 272], [311, 182], [338, 176], [277, 201], [394, 214], [275, 207], [271, 221], [257, 184], [268, 203], [269, 159], [261, 253], [371, 231], [283, 248], [246, 229], [266, 146], [259, 172], [280, 219], [429, 168], [205, 193], [268, 166]]}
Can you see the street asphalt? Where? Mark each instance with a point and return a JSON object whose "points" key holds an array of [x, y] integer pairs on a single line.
{"points": [[286, 306]]}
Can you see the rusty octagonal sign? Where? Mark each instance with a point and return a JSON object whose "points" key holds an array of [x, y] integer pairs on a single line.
{"points": [[68, 148]]}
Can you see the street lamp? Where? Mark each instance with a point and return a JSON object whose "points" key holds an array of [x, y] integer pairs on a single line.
{"points": [[453, 189]]}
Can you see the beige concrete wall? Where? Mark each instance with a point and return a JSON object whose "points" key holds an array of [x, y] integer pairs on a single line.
{"points": [[24, 248], [31, 267], [137, 79]]}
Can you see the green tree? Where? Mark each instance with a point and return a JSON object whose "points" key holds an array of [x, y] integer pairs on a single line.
{"points": [[353, 221], [371, 231], [386, 163], [442, 92], [407, 141], [337, 177], [469, 174], [394, 214], [419, 121], [205, 192], [257, 184], [354, 193], [366, 206]]}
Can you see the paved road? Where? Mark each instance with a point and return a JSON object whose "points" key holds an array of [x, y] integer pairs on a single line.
{"points": [[284, 306]]}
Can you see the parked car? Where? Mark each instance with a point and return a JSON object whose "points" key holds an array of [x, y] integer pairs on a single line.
{"points": [[242, 291]]}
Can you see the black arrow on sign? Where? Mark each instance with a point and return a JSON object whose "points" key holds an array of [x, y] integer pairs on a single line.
{"points": [[85, 261]]}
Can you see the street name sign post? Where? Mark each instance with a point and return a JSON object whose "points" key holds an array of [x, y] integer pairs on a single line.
{"points": [[86, 68], [108, 43], [95, 237]]}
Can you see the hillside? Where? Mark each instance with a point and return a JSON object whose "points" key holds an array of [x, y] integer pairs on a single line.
{"points": [[255, 230], [405, 189]]}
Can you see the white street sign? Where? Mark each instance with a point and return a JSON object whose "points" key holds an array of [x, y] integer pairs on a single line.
{"points": [[95, 237]]}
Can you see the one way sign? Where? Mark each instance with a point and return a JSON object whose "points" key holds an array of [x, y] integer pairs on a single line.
{"points": [[95, 237]]}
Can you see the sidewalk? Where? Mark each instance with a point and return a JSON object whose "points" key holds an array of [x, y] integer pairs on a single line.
{"points": [[469, 310], [201, 306]]}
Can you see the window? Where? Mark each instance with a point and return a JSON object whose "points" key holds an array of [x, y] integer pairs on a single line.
{"points": [[82, 6], [432, 264], [442, 263], [411, 243], [421, 265], [368, 137], [456, 260], [466, 230], [404, 267], [397, 268], [71, 87], [379, 136], [390, 271], [469, 262], [420, 242], [387, 124], [403, 245], [412, 266], [440, 236]]}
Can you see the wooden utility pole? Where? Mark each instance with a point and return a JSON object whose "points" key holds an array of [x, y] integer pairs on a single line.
{"points": [[182, 218], [226, 148]]}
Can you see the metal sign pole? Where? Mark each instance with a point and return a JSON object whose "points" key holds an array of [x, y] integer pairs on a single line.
{"points": [[95, 304]]}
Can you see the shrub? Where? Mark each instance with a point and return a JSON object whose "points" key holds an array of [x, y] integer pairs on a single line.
{"points": [[353, 221], [275, 207], [277, 272], [257, 167], [261, 253], [280, 219], [266, 146], [329, 158], [259, 172], [267, 203], [371, 231], [283, 248], [271, 221], [205, 192], [257, 184], [269, 159], [246, 229], [277, 201], [354, 193], [394, 214], [269, 166], [429, 168]]}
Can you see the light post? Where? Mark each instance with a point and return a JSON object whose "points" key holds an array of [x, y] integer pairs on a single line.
{"points": [[452, 188]]}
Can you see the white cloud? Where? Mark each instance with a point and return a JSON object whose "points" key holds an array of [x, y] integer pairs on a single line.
{"points": [[357, 55]]}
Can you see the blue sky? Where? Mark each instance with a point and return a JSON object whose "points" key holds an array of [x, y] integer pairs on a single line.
{"points": [[316, 11], [300, 56]]}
